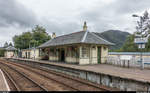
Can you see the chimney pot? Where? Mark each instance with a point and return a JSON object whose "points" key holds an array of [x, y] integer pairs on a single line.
{"points": [[85, 26], [53, 35]]}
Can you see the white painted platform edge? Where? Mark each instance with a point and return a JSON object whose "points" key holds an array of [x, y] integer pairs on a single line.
{"points": [[8, 89]]}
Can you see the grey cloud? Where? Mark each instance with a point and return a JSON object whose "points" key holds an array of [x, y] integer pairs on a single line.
{"points": [[12, 12], [60, 28], [114, 15], [131, 6]]}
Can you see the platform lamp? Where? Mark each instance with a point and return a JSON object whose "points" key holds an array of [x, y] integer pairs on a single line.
{"points": [[140, 40]]}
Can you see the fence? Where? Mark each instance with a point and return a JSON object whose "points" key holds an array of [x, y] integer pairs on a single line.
{"points": [[133, 62]]}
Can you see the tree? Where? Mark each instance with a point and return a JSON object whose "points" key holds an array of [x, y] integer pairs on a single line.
{"points": [[142, 30], [39, 35], [5, 45], [129, 45], [10, 44], [2, 52], [143, 25], [32, 38], [22, 41]]}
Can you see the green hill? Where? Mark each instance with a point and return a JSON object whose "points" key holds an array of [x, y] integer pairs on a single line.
{"points": [[115, 36]]}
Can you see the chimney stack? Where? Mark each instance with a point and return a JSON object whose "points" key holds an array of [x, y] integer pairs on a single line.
{"points": [[53, 35], [85, 26]]}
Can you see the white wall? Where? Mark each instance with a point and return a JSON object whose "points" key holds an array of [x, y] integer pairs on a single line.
{"points": [[9, 54], [36, 54], [93, 55], [104, 54], [83, 61], [72, 60], [32, 54], [53, 58]]}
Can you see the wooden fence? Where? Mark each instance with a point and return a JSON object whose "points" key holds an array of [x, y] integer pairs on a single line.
{"points": [[133, 62]]}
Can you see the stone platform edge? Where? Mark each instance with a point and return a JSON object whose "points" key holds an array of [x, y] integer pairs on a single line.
{"points": [[52, 63]]}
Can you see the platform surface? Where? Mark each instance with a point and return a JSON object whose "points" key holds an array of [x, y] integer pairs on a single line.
{"points": [[3, 83], [128, 73]]}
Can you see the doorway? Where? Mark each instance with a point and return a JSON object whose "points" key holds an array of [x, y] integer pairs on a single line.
{"points": [[28, 55], [62, 56], [99, 55]]}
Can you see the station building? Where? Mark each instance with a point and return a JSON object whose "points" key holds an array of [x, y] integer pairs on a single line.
{"points": [[10, 52], [30, 53], [81, 47]]}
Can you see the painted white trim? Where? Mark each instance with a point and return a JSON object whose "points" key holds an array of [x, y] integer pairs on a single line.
{"points": [[83, 39], [8, 89]]}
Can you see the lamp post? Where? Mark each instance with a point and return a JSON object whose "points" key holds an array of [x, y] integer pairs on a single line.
{"points": [[139, 39], [142, 35], [34, 50]]}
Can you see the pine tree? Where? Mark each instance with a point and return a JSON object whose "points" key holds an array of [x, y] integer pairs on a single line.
{"points": [[142, 30], [6, 45], [10, 44]]}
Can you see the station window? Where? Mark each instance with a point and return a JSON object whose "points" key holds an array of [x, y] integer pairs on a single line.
{"points": [[84, 52], [105, 48]]}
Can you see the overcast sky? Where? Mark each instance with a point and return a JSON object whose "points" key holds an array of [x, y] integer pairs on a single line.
{"points": [[67, 16]]}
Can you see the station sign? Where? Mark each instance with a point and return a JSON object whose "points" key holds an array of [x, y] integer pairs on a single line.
{"points": [[140, 40], [125, 57]]}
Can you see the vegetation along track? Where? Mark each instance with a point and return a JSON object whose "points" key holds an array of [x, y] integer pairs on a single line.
{"points": [[72, 82], [19, 80]]}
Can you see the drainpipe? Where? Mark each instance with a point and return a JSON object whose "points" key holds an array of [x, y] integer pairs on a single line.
{"points": [[90, 54]]}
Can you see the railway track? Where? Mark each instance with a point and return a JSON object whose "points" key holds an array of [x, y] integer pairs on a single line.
{"points": [[13, 86], [20, 81], [74, 83]]}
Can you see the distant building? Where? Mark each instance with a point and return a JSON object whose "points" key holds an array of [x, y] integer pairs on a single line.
{"points": [[10, 52], [30, 53], [82, 47]]}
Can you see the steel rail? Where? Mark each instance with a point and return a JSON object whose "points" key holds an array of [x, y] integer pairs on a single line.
{"points": [[34, 82], [57, 74], [11, 80], [47, 77]]}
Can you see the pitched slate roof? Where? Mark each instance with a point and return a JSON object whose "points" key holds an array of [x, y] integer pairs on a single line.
{"points": [[10, 48], [77, 37]]}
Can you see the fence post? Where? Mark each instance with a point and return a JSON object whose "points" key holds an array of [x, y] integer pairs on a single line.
{"points": [[128, 63], [123, 63]]}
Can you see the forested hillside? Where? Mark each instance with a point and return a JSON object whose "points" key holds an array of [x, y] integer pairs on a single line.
{"points": [[115, 36]]}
